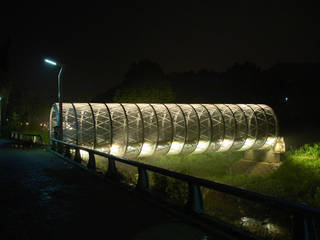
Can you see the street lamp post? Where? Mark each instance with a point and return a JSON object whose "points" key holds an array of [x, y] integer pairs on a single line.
{"points": [[0, 115], [60, 137]]}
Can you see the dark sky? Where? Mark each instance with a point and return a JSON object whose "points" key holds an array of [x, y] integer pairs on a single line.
{"points": [[99, 42]]}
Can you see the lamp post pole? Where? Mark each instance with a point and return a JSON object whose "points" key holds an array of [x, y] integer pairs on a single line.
{"points": [[60, 104], [60, 119], [0, 116]]}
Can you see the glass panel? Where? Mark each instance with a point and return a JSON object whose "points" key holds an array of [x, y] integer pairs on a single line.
{"points": [[165, 129], [241, 126], [53, 119], [192, 127], [217, 127], [151, 131], [119, 129], [262, 126], [205, 128], [229, 128], [69, 124], [135, 130], [179, 129], [252, 127], [85, 124], [103, 127], [271, 126]]}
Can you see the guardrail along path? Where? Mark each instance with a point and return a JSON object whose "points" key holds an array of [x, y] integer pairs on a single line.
{"points": [[43, 197]]}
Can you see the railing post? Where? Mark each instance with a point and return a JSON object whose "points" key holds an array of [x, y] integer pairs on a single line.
{"points": [[77, 156], [53, 145], [195, 202], [60, 147], [92, 161], [112, 170], [143, 181], [304, 228], [67, 152], [20, 140]]}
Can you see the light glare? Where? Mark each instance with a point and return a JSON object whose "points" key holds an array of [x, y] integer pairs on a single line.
{"points": [[50, 62]]}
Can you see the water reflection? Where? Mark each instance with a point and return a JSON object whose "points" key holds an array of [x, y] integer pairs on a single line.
{"points": [[265, 225]]}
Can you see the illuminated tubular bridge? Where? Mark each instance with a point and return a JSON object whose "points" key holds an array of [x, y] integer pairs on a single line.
{"points": [[138, 130]]}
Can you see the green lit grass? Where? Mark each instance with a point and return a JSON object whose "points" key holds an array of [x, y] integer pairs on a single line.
{"points": [[297, 179]]}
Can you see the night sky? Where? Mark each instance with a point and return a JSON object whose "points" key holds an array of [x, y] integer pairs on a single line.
{"points": [[98, 43]]}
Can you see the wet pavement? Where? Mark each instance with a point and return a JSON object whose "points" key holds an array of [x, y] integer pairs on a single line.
{"points": [[44, 197]]}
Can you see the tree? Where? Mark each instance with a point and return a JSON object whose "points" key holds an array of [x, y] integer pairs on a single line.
{"points": [[5, 80], [145, 82]]}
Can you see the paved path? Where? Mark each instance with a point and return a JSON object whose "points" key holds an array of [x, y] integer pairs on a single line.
{"points": [[44, 197]]}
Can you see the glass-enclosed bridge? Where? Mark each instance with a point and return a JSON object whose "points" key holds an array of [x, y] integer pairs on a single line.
{"points": [[138, 130]]}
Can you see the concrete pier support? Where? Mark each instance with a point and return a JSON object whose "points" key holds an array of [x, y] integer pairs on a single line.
{"points": [[257, 163]]}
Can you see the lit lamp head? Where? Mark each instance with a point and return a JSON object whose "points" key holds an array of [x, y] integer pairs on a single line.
{"points": [[51, 62]]}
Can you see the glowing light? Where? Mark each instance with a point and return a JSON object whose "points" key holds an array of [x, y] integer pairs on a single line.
{"points": [[115, 149], [202, 147], [176, 148], [280, 146], [225, 145], [50, 62], [84, 154], [147, 149], [271, 141], [68, 126], [104, 150], [247, 144]]}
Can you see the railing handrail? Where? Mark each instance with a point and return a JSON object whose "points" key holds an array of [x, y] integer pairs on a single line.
{"points": [[297, 208]]}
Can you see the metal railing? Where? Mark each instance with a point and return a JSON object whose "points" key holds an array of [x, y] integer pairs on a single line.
{"points": [[305, 217], [27, 137]]}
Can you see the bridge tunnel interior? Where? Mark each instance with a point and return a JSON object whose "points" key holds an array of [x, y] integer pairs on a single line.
{"points": [[138, 130]]}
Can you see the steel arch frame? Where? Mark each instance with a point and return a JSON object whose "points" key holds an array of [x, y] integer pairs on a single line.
{"points": [[220, 122]]}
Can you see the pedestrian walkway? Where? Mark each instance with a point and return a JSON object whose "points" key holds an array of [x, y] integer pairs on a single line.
{"points": [[44, 197]]}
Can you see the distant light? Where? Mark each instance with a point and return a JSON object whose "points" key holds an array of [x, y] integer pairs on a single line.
{"points": [[286, 99], [50, 62], [0, 98], [27, 123]]}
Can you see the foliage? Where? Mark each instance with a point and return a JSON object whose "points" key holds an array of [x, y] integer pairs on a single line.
{"points": [[176, 191], [203, 165], [306, 151], [145, 82], [148, 92]]}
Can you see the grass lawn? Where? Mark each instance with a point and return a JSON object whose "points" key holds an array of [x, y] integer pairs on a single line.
{"points": [[297, 179]]}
